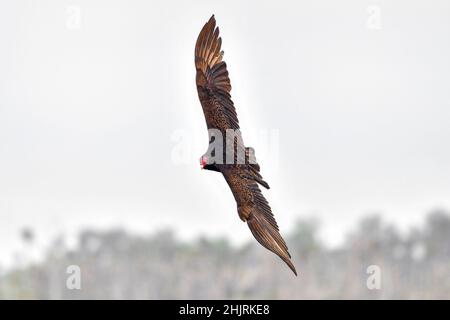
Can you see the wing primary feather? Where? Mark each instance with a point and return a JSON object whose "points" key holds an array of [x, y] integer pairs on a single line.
{"points": [[269, 238]]}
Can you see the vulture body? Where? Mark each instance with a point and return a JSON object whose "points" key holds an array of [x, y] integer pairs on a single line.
{"points": [[242, 175]]}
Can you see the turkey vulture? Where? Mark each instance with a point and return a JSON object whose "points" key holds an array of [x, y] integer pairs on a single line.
{"points": [[240, 170]]}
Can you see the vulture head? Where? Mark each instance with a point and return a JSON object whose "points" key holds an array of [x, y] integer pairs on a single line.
{"points": [[205, 164]]}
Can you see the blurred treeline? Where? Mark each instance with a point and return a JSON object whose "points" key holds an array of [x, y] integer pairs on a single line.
{"points": [[117, 265]]}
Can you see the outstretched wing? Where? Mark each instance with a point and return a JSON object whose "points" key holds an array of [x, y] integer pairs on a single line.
{"points": [[255, 210], [213, 86], [213, 83]]}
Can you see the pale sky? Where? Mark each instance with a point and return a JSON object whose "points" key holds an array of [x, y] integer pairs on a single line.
{"points": [[348, 111]]}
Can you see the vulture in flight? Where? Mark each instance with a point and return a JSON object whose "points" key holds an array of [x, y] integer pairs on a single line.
{"points": [[242, 172]]}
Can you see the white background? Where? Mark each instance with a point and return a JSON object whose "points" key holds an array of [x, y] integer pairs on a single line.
{"points": [[88, 114]]}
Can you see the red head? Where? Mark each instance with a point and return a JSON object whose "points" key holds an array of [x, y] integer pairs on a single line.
{"points": [[203, 161]]}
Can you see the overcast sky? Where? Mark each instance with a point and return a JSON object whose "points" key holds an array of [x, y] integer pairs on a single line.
{"points": [[347, 105]]}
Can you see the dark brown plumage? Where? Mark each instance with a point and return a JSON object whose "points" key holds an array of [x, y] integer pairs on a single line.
{"points": [[242, 176]]}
